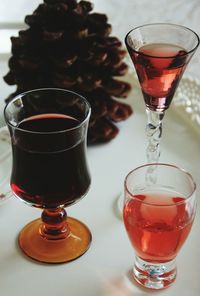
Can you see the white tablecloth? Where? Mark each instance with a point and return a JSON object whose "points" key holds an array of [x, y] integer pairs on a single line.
{"points": [[104, 270]]}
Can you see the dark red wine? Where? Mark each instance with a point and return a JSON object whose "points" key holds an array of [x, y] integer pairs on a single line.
{"points": [[49, 161], [159, 68]]}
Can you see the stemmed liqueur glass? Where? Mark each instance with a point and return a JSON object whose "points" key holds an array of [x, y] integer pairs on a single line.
{"points": [[160, 53], [158, 218], [48, 130]]}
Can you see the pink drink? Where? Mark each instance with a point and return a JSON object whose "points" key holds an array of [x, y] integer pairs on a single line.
{"points": [[159, 67], [157, 225]]}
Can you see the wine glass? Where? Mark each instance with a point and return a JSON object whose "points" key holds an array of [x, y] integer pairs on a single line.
{"points": [[160, 53], [158, 218], [48, 130]]}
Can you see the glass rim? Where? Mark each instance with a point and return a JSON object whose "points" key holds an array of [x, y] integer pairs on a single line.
{"points": [[162, 24], [182, 170], [15, 98]]}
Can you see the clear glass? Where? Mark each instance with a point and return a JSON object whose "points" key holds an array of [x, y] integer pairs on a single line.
{"points": [[160, 53], [5, 165], [158, 218], [48, 131]]}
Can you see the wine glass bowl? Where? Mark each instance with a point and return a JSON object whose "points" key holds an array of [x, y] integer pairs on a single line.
{"points": [[158, 218], [48, 129]]}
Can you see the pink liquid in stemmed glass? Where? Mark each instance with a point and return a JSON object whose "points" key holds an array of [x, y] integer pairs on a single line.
{"points": [[159, 67]]}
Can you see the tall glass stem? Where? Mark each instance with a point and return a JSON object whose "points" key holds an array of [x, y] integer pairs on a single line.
{"points": [[153, 133]]}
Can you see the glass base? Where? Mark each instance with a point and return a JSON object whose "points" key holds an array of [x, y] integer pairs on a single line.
{"points": [[154, 276], [36, 246]]}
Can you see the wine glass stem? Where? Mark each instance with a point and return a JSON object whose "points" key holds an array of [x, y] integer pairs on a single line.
{"points": [[54, 224], [153, 133]]}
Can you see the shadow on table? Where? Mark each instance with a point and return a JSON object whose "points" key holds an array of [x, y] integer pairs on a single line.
{"points": [[124, 286]]}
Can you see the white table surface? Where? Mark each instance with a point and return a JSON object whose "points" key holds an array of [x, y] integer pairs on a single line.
{"points": [[104, 270]]}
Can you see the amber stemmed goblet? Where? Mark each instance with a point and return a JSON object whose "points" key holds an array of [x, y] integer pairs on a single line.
{"points": [[160, 53], [48, 130]]}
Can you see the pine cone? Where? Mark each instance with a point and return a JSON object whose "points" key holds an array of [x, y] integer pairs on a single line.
{"points": [[68, 46]]}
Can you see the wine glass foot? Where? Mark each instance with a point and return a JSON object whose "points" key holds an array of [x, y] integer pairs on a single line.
{"points": [[5, 196], [154, 276], [37, 247]]}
